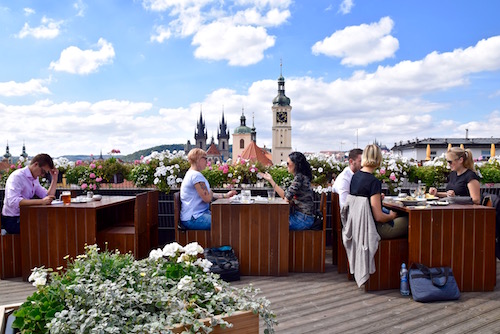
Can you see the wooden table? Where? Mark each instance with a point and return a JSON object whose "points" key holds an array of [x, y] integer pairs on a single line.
{"points": [[50, 232], [458, 236], [258, 233]]}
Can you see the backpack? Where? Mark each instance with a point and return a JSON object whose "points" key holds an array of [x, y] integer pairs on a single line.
{"points": [[494, 201], [224, 262]]}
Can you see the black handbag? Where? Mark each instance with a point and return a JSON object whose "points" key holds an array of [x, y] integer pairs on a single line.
{"points": [[432, 284], [318, 221], [224, 262]]}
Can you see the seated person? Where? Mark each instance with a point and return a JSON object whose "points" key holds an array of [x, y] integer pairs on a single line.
{"points": [[299, 194], [342, 183], [364, 183], [196, 194], [463, 179], [21, 188]]}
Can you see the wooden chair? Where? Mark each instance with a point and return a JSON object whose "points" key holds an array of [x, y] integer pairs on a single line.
{"points": [[131, 236], [152, 221], [307, 248], [184, 236], [10, 256], [339, 256]]}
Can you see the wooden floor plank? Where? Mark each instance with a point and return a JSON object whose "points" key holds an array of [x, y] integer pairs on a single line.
{"points": [[329, 303]]}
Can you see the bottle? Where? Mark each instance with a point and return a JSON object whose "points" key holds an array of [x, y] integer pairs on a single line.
{"points": [[404, 287]]}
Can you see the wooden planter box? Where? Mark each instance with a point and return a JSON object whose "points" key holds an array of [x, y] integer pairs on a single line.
{"points": [[244, 322]]}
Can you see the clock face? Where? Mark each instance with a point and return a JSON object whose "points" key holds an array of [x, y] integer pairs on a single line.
{"points": [[281, 117]]}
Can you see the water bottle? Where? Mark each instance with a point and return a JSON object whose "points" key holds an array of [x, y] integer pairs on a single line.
{"points": [[404, 287]]}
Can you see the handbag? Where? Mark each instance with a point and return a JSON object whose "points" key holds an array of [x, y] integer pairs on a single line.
{"points": [[432, 284], [318, 221], [224, 262]]}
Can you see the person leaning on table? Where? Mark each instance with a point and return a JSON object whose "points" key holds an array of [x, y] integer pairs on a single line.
{"points": [[21, 188], [364, 183], [463, 179], [342, 183], [196, 194], [299, 194]]}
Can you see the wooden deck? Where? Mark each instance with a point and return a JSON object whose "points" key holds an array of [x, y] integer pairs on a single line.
{"points": [[329, 303]]}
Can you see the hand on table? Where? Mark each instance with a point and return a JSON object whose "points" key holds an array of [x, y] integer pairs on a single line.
{"points": [[48, 199], [450, 193], [433, 191], [231, 193]]}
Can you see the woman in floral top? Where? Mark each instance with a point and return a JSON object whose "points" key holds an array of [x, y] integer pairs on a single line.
{"points": [[299, 194]]}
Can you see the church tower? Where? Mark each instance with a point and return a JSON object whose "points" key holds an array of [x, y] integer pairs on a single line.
{"points": [[241, 137], [282, 124], [200, 134], [223, 138]]}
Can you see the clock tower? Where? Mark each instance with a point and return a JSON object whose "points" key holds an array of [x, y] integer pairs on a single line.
{"points": [[282, 124]]}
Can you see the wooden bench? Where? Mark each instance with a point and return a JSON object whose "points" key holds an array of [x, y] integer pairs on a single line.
{"points": [[307, 247], [152, 221], [390, 255], [184, 236], [10, 257], [339, 256], [131, 236]]}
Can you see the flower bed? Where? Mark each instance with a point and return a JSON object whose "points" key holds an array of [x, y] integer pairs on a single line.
{"points": [[114, 293]]}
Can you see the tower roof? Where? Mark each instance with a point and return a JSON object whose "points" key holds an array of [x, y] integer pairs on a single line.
{"points": [[243, 128], [254, 153]]}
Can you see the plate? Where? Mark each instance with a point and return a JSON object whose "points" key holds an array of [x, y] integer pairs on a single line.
{"points": [[430, 197], [56, 202], [412, 202], [81, 200]]}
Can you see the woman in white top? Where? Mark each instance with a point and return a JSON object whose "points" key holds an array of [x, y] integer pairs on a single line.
{"points": [[196, 194]]}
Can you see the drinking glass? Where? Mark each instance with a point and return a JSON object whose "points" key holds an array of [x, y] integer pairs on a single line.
{"points": [[245, 196], [271, 195]]}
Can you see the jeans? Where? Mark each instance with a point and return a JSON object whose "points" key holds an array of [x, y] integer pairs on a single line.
{"points": [[11, 224], [203, 222], [300, 221]]}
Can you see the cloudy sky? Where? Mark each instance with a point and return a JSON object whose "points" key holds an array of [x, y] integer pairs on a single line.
{"points": [[78, 77]]}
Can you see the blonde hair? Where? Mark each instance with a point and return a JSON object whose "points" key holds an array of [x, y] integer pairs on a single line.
{"points": [[372, 156], [195, 154], [458, 153]]}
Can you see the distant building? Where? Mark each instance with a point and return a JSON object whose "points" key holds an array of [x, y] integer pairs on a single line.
{"points": [[417, 149], [219, 152], [242, 136], [256, 154], [282, 124]]}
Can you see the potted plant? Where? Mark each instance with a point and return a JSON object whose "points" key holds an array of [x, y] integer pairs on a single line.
{"points": [[168, 292]]}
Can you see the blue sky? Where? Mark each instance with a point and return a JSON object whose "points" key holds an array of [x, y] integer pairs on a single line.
{"points": [[78, 77]]}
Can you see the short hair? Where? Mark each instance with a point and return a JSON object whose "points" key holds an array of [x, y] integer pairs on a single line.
{"points": [[459, 152], [354, 153], [372, 156], [43, 160], [302, 166], [195, 154]]}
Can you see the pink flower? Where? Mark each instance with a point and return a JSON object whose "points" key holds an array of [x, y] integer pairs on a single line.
{"points": [[99, 179], [382, 171], [92, 175], [12, 166], [92, 165], [99, 167], [78, 162], [84, 186], [136, 162], [392, 177]]}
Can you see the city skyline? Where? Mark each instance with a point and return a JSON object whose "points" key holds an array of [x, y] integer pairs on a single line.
{"points": [[83, 76]]}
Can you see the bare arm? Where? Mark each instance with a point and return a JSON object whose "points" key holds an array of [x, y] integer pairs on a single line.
{"points": [[474, 191], [378, 214], [278, 189]]}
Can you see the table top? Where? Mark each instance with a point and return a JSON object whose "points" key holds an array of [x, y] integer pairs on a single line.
{"points": [[253, 200], [396, 205], [104, 202]]}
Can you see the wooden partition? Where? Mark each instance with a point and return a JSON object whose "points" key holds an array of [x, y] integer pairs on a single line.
{"points": [[339, 256], [50, 232], [10, 257], [258, 233], [458, 236]]}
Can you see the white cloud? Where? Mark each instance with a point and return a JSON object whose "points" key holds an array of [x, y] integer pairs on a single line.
{"points": [[161, 34], [360, 45], [28, 11], [80, 7], [235, 33], [48, 29], [239, 45], [76, 61], [33, 86], [346, 6]]}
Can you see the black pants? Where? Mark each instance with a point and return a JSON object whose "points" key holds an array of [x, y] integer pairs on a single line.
{"points": [[11, 224]]}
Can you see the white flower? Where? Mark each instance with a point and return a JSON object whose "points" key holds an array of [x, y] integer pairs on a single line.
{"points": [[185, 283], [193, 248], [203, 263], [184, 258], [155, 254], [320, 169], [172, 249], [38, 277]]}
